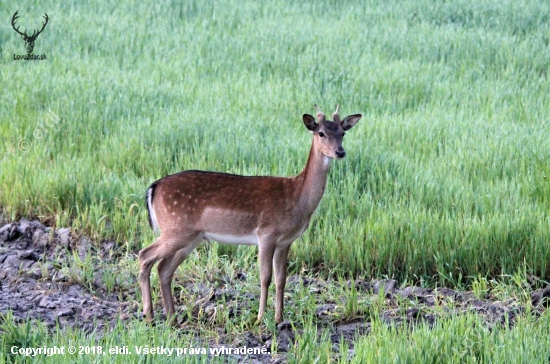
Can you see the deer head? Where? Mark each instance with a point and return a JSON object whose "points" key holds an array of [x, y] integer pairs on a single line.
{"points": [[329, 134], [29, 39]]}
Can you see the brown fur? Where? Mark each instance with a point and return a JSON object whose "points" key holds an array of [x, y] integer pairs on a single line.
{"points": [[272, 212]]}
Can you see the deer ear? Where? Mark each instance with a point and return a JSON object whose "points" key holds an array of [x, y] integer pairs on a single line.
{"points": [[350, 121], [309, 122]]}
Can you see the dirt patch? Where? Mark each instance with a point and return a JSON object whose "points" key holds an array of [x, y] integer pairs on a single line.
{"points": [[34, 285]]}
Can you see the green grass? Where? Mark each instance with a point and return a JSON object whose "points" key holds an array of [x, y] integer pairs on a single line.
{"points": [[446, 179], [446, 174], [455, 339]]}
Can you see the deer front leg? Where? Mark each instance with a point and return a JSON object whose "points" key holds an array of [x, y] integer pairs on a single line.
{"points": [[280, 260], [265, 258]]}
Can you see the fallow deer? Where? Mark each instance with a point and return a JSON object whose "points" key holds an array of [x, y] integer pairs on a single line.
{"points": [[271, 212]]}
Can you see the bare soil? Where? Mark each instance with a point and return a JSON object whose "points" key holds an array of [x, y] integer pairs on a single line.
{"points": [[33, 285]]}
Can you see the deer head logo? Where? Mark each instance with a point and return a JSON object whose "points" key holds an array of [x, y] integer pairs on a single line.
{"points": [[29, 39]]}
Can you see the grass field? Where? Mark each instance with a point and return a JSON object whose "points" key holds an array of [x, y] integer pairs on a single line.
{"points": [[446, 181]]}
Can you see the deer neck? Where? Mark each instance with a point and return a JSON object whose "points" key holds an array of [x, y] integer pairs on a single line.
{"points": [[312, 180]]}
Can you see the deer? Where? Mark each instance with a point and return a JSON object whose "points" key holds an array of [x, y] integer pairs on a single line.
{"points": [[270, 212], [29, 39]]}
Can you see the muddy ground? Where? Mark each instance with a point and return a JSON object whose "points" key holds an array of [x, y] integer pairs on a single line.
{"points": [[32, 284]]}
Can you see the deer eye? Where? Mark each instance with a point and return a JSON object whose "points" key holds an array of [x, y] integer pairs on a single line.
{"points": [[321, 134]]}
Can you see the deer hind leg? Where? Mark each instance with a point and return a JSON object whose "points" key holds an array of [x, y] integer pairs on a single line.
{"points": [[163, 247], [265, 258], [280, 260], [166, 269], [147, 258]]}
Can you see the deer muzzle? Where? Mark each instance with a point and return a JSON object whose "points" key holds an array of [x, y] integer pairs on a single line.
{"points": [[340, 152]]}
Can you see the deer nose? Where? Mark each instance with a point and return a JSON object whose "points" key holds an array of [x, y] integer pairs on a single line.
{"points": [[340, 152]]}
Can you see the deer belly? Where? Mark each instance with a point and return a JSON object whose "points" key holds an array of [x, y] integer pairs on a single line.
{"points": [[232, 239]]}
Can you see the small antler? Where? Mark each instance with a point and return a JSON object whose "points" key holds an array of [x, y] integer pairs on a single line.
{"points": [[336, 115], [13, 20], [320, 114], [35, 34]]}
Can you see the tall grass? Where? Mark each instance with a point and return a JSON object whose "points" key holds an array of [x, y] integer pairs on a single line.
{"points": [[446, 175]]}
